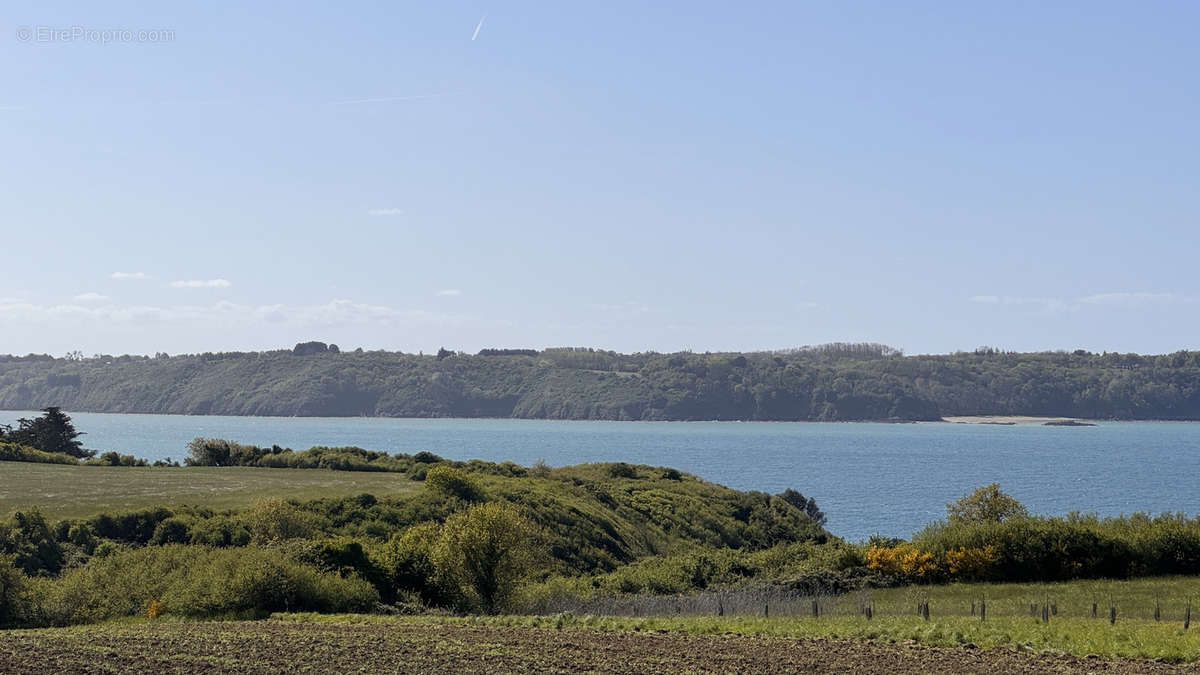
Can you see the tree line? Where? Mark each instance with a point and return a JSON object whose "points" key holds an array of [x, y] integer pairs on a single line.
{"points": [[838, 382]]}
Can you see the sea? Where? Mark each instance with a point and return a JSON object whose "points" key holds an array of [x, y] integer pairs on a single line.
{"points": [[868, 478]]}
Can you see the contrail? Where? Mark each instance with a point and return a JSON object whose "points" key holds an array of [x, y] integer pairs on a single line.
{"points": [[477, 27]]}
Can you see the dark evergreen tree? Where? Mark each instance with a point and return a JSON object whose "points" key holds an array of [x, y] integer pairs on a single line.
{"points": [[52, 432], [806, 504]]}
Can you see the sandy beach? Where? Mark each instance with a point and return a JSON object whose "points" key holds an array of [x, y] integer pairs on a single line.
{"points": [[1007, 419]]}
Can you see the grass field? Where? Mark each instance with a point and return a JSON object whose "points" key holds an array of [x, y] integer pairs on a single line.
{"points": [[343, 644], [80, 491], [1014, 616]]}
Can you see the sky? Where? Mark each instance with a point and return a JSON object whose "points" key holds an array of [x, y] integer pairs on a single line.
{"points": [[187, 177]]}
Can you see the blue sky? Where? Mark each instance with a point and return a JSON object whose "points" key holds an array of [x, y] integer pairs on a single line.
{"points": [[703, 176]]}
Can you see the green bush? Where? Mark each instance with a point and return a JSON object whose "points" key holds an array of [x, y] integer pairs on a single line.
{"points": [[622, 470], [11, 452], [197, 582], [34, 548], [116, 459], [407, 564], [171, 531], [219, 532], [14, 598], [485, 551], [451, 482], [270, 520], [135, 527]]}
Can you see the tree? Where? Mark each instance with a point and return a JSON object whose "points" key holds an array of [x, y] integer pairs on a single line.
{"points": [[485, 551], [52, 432], [807, 505], [986, 505], [310, 348]]}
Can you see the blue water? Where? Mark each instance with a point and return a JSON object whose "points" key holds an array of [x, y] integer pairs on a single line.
{"points": [[888, 479]]}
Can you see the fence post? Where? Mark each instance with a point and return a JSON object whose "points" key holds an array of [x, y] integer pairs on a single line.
{"points": [[1112, 614], [983, 610], [1187, 615]]}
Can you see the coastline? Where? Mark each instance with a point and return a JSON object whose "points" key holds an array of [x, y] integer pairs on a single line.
{"points": [[1006, 419]]}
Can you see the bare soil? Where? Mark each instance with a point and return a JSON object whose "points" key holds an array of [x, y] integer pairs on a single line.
{"points": [[291, 647]]}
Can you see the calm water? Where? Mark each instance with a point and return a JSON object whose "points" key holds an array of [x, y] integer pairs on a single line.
{"points": [[888, 479]]}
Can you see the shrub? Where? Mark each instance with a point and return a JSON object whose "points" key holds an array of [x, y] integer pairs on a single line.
{"points": [[12, 452], [904, 561], [219, 532], [116, 459], [407, 564], [198, 582], [451, 482], [485, 550], [622, 470], [986, 505], [135, 527], [171, 531], [13, 590], [973, 564], [31, 543], [271, 520]]}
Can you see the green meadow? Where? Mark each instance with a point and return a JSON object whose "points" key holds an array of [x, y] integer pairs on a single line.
{"points": [[61, 491]]}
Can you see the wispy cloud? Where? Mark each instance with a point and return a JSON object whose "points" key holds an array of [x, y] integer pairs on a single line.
{"points": [[449, 292], [202, 283], [1129, 300], [385, 212], [385, 99], [90, 297], [1137, 299], [478, 26], [333, 313], [1044, 304], [623, 308], [129, 276]]}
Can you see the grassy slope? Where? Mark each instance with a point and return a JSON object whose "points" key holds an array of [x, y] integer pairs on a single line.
{"points": [[80, 491]]}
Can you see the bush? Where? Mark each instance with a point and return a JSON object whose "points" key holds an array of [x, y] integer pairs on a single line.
{"points": [[11, 452], [32, 545], [485, 550], [219, 532], [451, 482], [135, 527], [198, 582], [407, 564], [171, 531], [270, 520], [622, 470], [116, 459], [13, 593]]}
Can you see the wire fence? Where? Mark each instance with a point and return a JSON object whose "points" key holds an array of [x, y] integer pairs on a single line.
{"points": [[869, 603]]}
